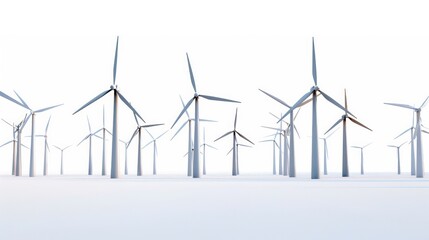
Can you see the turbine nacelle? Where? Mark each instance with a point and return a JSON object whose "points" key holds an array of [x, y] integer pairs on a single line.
{"points": [[114, 87]]}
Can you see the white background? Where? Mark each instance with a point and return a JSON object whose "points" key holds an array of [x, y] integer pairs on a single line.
{"points": [[54, 52]]}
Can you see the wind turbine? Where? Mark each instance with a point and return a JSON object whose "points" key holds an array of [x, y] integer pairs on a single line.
{"points": [[62, 151], [13, 141], [343, 119], [234, 133], [413, 160], [361, 156], [19, 128], [237, 147], [274, 153], [399, 156], [325, 152], [139, 147], [89, 137], [45, 156], [103, 159], [420, 167], [155, 149], [126, 145], [189, 122], [284, 132], [115, 160], [315, 173], [204, 145], [196, 159], [33, 115]]}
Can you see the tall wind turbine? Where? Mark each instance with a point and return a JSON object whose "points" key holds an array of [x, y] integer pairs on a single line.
{"points": [[62, 151], [196, 158], [19, 128], [315, 173], [45, 156], [399, 155], [114, 173], [413, 160], [103, 159], [237, 145], [89, 137], [13, 141], [33, 115], [189, 122], [204, 145], [274, 153], [325, 152], [234, 133], [126, 145], [155, 149], [138, 132], [420, 167], [361, 156], [343, 119]]}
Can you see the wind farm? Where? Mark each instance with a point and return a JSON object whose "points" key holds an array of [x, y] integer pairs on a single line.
{"points": [[151, 72]]}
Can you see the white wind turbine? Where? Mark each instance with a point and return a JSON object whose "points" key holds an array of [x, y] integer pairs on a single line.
{"points": [[315, 173], [19, 128], [13, 141], [325, 152], [114, 173], [126, 145], [343, 119], [103, 159], [33, 115], [138, 132], [413, 160], [234, 133], [45, 156], [62, 151], [189, 122], [89, 137], [155, 149], [361, 156], [419, 165], [196, 158], [274, 153], [237, 145], [399, 155], [204, 145]]}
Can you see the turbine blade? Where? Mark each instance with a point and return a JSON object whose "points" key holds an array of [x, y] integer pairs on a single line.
{"points": [[5, 144], [241, 135], [235, 119], [297, 104], [89, 124], [296, 130], [45, 109], [57, 147], [152, 125], [229, 151], [276, 98], [401, 105], [335, 124], [218, 99], [93, 100], [161, 135], [424, 131], [191, 73], [129, 105], [424, 103], [22, 101], [7, 123], [272, 128], [211, 146], [147, 144], [108, 131], [134, 134], [25, 120], [184, 109], [183, 104], [47, 125], [335, 102], [103, 118], [345, 100], [224, 135], [149, 134], [4, 95], [115, 61], [184, 124], [84, 139], [408, 129], [358, 123], [135, 118], [314, 65], [207, 120]]}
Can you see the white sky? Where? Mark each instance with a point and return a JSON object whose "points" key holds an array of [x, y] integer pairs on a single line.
{"points": [[53, 52]]}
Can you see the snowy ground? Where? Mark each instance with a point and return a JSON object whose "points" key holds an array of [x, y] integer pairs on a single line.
{"points": [[374, 206]]}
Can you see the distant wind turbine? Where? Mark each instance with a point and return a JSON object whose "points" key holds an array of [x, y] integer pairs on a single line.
{"points": [[62, 151], [114, 173], [237, 145], [419, 148], [13, 141], [126, 145], [33, 115], [361, 156], [315, 173], [274, 153], [343, 119], [155, 149], [399, 155], [89, 137], [234, 133], [325, 152], [45, 156], [189, 122], [413, 160], [204, 145], [103, 159], [196, 159]]}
